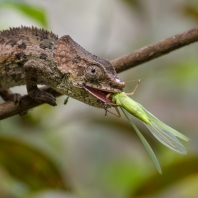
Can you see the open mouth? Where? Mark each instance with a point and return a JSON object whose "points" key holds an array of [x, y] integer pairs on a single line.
{"points": [[100, 94]]}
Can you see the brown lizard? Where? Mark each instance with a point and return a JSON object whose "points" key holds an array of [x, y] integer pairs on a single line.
{"points": [[32, 56]]}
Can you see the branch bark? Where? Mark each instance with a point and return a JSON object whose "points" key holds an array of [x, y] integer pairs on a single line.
{"points": [[156, 50], [123, 63]]}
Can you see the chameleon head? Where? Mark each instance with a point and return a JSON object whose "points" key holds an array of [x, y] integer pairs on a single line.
{"points": [[90, 76]]}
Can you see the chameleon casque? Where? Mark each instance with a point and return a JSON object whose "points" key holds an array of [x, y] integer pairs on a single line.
{"points": [[31, 56]]}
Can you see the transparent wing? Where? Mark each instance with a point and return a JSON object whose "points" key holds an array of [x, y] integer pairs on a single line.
{"points": [[166, 138], [162, 125], [165, 134], [171, 130]]}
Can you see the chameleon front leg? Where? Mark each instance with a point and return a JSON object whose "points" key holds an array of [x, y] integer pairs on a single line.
{"points": [[34, 69]]}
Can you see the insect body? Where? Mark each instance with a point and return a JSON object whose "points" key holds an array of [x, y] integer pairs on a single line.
{"points": [[165, 134]]}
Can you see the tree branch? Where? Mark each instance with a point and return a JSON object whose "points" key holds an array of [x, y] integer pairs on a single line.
{"points": [[123, 63], [156, 50], [8, 109]]}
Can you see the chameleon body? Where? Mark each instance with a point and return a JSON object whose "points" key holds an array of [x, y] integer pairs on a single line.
{"points": [[32, 56]]}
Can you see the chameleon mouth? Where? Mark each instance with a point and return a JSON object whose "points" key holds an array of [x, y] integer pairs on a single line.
{"points": [[101, 94]]}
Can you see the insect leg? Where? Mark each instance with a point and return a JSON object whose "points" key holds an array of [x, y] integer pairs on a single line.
{"points": [[117, 115]]}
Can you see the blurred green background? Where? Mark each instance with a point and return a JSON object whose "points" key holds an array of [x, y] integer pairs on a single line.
{"points": [[74, 151]]}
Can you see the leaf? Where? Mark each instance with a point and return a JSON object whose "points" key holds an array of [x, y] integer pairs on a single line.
{"points": [[172, 174], [29, 165], [34, 12], [145, 143]]}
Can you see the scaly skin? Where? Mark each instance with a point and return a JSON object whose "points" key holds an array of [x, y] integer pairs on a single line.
{"points": [[32, 56]]}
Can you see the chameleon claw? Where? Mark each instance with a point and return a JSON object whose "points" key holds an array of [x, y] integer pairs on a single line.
{"points": [[43, 97], [16, 98], [66, 100]]}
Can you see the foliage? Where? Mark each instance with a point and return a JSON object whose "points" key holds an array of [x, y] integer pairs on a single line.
{"points": [[34, 12]]}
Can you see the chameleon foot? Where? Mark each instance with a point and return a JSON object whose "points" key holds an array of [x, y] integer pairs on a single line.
{"points": [[43, 97], [7, 95], [16, 98]]}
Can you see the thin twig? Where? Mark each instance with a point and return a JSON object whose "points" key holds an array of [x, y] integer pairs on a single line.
{"points": [[9, 109], [158, 49], [123, 63]]}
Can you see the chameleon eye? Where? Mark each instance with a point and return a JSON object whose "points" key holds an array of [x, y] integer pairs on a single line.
{"points": [[94, 72]]}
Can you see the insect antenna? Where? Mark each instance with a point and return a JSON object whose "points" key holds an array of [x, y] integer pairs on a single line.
{"points": [[136, 86]]}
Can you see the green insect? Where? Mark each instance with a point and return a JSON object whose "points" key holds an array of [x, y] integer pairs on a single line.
{"points": [[165, 134], [162, 132]]}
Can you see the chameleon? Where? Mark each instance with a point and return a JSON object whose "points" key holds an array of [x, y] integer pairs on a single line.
{"points": [[31, 56]]}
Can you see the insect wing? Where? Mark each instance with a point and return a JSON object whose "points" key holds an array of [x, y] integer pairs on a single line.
{"points": [[171, 130], [145, 143], [166, 138], [162, 125]]}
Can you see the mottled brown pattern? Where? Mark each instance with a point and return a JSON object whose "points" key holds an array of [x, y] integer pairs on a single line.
{"points": [[32, 56], [80, 71], [43, 56], [12, 42], [68, 54], [20, 56], [22, 46]]}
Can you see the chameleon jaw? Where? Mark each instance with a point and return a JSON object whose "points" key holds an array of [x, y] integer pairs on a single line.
{"points": [[101, 94]]}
